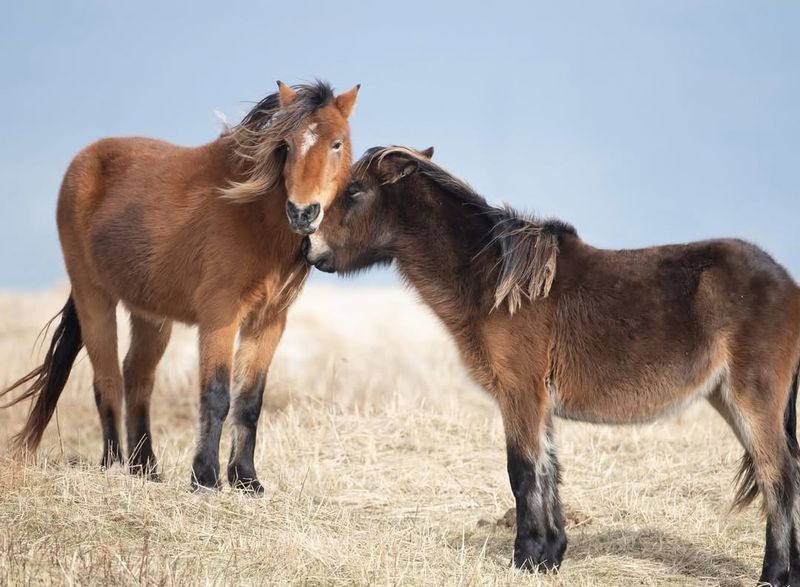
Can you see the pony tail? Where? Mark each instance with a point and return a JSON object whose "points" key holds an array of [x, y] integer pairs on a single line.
{"points": [[47, 381], [746, 485]]}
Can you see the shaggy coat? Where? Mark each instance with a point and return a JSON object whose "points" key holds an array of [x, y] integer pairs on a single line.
{"points": [[552, 326]]}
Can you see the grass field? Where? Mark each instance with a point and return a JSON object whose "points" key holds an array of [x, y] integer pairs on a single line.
{"points": [[383, 464]]}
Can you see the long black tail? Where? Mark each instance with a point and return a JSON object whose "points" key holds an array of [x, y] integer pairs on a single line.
{"points": [[46, 382]]}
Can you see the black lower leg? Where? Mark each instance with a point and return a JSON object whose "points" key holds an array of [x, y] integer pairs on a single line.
{"points": [[540, 542], [775, 570], [112, 449], [214, 405], [141, 458], [794, 549], [794, 553], [556, 535], [246, 411], [779, 547]]}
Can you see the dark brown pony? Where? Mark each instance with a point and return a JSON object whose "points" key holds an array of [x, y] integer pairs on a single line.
{"points": [[552, 326], [199, 235]]}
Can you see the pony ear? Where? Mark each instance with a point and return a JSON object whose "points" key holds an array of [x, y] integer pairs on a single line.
{"points": [[407, 167], [285, 94], [427, 153], [346, 101]]}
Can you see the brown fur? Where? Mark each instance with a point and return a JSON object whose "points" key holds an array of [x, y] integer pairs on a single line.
{"points": [[588, 334], [527, 263], [142, 222]]}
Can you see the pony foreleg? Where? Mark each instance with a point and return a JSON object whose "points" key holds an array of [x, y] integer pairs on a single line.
{"points": [[216, 350], [534, 474], [257, 343]]}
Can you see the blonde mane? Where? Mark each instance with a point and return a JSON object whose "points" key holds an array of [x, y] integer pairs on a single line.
{"points": [[528, 253]]}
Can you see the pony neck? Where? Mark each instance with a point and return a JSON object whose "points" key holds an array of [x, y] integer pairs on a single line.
{"points": [[446, 254], [265, 216]]}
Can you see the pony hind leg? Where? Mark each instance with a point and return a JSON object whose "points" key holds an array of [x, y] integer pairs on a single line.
{"points": [[97, 315], [790, 430], [148, 342], [769, 468]]}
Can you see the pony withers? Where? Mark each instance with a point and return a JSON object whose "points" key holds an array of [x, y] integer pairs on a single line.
{"points": [[552, 326], [198, 235]]}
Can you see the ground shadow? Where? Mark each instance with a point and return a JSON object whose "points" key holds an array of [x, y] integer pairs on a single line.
{"points": [[678, 555]]}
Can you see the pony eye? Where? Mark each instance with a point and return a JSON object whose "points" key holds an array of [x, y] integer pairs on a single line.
{"points": [[355, 191], [336, 145]]}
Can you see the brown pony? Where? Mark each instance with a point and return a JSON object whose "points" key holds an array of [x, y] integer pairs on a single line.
{"points": [[197, 235], [552, 326]]}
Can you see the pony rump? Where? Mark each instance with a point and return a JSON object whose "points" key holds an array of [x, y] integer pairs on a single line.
{"points": [[260, 139]]}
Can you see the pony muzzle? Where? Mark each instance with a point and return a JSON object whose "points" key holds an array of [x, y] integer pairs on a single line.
{"points": [[317, 253], [304, 219]]}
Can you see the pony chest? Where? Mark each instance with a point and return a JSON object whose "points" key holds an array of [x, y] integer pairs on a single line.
{"points": [[275, 292]]}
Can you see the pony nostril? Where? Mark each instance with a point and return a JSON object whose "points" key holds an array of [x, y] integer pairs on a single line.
{"points": [[302, 215], [292, 211], [311, 212]]}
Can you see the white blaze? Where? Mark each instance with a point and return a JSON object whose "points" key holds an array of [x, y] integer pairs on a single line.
{"points": [[308, 139]]}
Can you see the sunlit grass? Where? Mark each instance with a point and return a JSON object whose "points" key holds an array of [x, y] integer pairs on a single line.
{"points": [[383, 463]]}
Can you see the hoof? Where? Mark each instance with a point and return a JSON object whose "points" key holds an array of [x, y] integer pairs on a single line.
{"points": [[779, 578], [250, 487], [147, 470], [243, 478], [109, 459], [526, 562], [205, 481], [200, 489], [539, 555], [205, 474], [147, 474]]}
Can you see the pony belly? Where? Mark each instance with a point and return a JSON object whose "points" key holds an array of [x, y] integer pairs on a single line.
{"points": [[146, 300], [635, 404], [160, 315]]}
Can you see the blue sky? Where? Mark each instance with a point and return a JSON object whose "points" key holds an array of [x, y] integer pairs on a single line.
{"points": [[639, 122]]}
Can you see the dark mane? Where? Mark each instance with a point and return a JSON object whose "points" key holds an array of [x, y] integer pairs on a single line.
{"points": [[527, 245], [259, 138], [310, 97]]}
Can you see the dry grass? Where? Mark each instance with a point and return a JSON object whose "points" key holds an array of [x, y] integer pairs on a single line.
{"points": [[384, 465]]}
